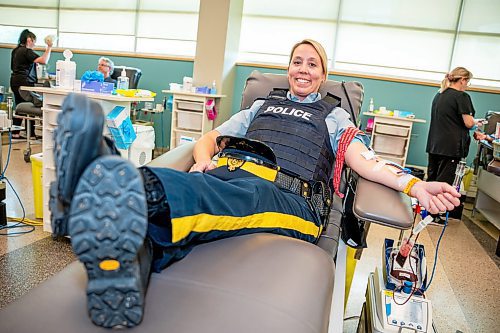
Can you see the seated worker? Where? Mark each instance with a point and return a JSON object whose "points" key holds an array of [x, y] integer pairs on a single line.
{"points": [[23, 66], [106, 67], [124, 222]]}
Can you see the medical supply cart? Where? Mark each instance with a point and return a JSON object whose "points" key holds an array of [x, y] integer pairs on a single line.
{"points": [[391, 136], [52, 102], [191, 115]]}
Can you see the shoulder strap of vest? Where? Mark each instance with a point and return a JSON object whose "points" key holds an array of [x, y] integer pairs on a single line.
{"points": [[332, 99], [278, 93]]}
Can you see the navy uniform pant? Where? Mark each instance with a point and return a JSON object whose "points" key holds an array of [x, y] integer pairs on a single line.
{"points": [[205, 208]]}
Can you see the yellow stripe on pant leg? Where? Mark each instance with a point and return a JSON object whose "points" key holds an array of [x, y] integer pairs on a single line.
{"points": [[183, 226]]}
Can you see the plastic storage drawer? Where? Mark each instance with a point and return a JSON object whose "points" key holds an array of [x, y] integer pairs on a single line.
{"points": [[189, 120], [395, 130], [189, 106], [389, 145]]}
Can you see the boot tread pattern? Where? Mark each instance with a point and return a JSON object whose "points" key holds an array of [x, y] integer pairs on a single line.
{"points": [[107, 223]]}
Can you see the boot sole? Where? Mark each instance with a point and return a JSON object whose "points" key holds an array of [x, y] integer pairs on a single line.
{"points": [[107, 224]]}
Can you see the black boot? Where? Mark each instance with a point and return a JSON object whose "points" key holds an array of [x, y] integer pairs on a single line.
{"points": [[107, 223], [78, 141]]}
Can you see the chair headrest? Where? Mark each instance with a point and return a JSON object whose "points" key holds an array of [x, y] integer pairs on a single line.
{"points": [[258, 85], [134, 74]]}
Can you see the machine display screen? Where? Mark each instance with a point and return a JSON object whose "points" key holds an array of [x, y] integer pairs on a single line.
{"points": [[412, 314]]}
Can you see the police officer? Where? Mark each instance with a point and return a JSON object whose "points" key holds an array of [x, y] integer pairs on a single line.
{"points": [[249, 191]]}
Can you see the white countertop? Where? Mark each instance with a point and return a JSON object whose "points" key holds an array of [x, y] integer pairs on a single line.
{"points": [[187, 93], [415, 120], [93, 95]]}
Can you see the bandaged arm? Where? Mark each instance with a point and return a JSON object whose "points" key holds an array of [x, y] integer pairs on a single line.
{"points": [[434, 196]]}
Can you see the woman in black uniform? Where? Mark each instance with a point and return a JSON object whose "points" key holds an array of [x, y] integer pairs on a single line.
{"points": [[451, 119], [22, 64]]}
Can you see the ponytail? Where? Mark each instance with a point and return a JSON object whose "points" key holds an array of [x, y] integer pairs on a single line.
{"points": [[23, 37], [453, 76]]}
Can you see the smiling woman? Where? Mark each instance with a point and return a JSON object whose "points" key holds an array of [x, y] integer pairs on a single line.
{"points": [[307, 69]]}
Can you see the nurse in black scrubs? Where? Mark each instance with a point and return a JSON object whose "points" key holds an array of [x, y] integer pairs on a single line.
{"points": [[451, 119], [22, 65]]}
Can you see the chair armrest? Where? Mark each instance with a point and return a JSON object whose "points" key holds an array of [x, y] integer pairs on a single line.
{"points": [[179, 158], [382, 205]]}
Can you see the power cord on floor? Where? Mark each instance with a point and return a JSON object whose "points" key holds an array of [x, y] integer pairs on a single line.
{"points": [[22, 222]]}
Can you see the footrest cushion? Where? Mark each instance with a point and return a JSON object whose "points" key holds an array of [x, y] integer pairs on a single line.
{"points": [[253, 283]]}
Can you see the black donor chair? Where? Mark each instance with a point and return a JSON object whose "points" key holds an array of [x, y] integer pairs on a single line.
{"points": [[133, 74], [261, 282]]}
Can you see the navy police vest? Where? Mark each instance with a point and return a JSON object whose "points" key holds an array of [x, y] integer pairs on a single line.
{"points": [[298, 135]]}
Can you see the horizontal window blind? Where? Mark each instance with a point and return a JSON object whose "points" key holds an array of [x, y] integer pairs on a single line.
{"points": [[270, 28], [398, 38], [38, 16], [402, 38], [146, 26], [478, 41]]}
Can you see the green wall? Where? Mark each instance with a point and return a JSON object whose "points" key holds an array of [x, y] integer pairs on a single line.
{"points": [[395, 95], [157, 74]]}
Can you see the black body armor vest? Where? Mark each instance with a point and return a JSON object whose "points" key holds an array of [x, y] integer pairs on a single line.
{"points": [[298, 135]]}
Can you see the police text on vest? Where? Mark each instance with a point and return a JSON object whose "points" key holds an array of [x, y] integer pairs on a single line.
{"points": [[289, 111]]}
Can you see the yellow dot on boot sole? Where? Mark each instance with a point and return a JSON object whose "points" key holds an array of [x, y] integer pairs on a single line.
{"points": [[109, 265]]}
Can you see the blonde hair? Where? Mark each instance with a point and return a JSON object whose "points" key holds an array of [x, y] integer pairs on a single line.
{"points": [[455, 75], [319, 48]]}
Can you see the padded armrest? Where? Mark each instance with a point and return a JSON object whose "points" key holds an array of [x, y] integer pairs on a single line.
{"points": [[382, 205], [179, 158]]}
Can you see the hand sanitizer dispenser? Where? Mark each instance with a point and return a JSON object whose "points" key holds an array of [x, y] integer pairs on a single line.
{"points": [[66, 71], [122, 82]]}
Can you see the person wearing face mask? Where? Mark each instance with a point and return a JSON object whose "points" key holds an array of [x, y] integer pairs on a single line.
{"points": [[448, 141], [293, 137], [106, 66], [23, 69]]}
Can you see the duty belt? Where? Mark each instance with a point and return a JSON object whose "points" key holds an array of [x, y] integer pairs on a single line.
{"points": [[316, 193]]}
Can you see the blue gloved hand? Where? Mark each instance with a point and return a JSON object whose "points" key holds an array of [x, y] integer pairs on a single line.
{"points": [[93, 76]]}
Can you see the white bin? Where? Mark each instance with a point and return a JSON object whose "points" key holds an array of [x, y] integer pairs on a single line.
{"points": [[189, 120], [141, 150], [182, 137]]}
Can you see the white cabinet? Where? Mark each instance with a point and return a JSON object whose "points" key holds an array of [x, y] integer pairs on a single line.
{"points": [[391, 136], [488, 196], [52, 105], [189, 116], [488, 199]]}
